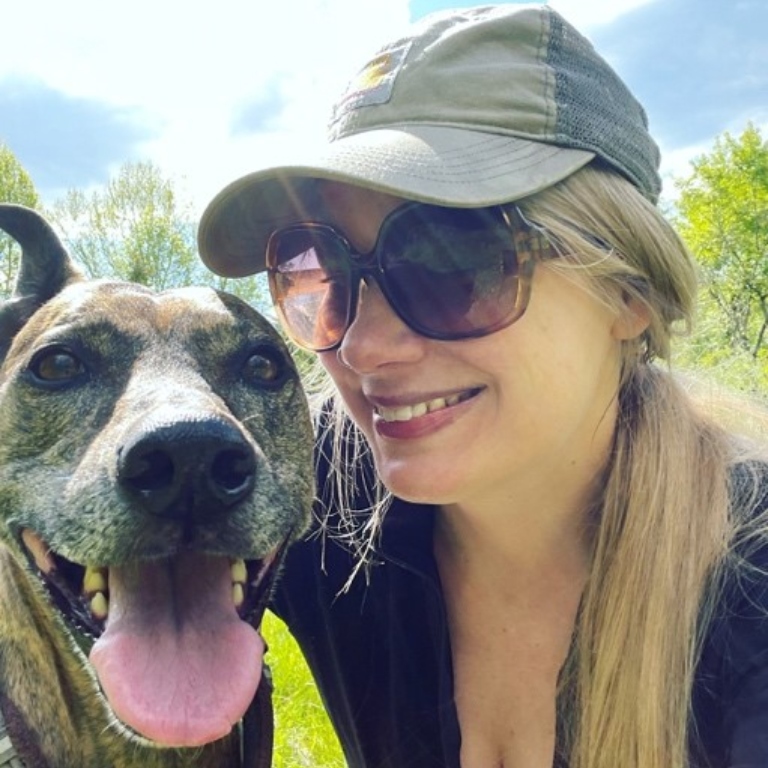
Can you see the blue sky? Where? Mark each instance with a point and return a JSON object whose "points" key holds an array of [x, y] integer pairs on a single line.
{"points": [[208, 91]]}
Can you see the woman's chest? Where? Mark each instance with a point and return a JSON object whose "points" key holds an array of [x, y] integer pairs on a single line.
{"points": [[505, 692]]}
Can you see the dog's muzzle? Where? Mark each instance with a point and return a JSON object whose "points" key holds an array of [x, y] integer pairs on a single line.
{"points": [[192, 471]]}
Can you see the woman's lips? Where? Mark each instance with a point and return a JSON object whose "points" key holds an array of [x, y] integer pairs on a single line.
{"points": [[392, 419], [408, 412]]}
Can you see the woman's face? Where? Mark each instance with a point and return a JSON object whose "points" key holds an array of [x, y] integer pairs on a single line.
{"points": [[525, 410]]}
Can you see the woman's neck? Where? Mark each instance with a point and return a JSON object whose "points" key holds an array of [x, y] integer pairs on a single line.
{"points": [[542, 534]]}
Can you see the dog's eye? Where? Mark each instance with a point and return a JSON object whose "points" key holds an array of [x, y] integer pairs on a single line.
{"points": [[56, 365], [265, 366]]}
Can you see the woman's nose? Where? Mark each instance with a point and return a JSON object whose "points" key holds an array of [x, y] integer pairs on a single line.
{"points": [[377, 336]]}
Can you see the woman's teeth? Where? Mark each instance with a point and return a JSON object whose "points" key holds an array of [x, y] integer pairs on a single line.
{"points": [[408, 412]]}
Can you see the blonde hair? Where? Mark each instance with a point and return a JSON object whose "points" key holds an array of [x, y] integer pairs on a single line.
{"points": [[664, 530]]}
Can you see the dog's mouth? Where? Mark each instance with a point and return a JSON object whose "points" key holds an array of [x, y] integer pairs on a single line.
{"points": [[81, 592], [177, 650]]}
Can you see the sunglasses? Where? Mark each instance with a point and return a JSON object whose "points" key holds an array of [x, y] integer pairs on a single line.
{"points": [[448, 273]]}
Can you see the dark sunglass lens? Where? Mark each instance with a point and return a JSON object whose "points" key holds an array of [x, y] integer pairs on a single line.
{"points": [[310, 284], [452, 272]]}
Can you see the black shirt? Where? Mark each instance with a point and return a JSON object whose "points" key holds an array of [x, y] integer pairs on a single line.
{"points": [[381, 657]]}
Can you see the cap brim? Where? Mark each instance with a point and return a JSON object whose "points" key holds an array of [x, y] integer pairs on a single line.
{"points": [[430, 164]]}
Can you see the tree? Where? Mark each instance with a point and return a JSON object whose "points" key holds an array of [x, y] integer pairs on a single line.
{"points": [[723, 217], [137, 228], [15, 187]]}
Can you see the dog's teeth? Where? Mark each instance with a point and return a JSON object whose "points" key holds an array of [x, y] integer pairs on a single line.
{"points": [[237, 594], [40, 551], [239, 572], [100, 606], [95, 580]]}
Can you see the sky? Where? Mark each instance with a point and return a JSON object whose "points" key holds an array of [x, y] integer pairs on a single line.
{"points": [[208, 91]]}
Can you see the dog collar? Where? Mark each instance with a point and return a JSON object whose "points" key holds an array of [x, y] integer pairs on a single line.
{"points": [[9, 757]]}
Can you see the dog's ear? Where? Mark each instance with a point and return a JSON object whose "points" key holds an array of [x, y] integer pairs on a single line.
{"points": [[45, 268]]}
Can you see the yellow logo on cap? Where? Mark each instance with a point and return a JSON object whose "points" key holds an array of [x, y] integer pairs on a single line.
{"points": [[373, 74], [373, 83]]}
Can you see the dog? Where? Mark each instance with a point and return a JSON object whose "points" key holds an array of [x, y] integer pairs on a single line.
{"points": [[155, 464]]}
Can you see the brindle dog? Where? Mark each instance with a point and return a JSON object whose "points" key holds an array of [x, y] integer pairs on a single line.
{"points": [[155, 462]]}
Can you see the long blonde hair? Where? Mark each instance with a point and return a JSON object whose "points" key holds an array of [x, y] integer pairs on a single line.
{"points": [[664, 528]]}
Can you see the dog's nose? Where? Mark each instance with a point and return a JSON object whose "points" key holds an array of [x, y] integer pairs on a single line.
{"points": [[191, 471]]}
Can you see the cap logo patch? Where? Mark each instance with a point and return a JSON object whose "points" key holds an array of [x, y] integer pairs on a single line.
{"points": [[374, 82]]}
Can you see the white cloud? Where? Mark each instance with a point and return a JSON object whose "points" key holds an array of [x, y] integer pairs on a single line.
{"points": [[584, 14], [191, 68]]}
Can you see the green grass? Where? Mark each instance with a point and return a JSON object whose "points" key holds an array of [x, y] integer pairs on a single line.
{"points": [[303, 733]]}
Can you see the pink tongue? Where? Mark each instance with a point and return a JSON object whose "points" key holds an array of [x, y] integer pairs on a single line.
{"points": [[176, 662]]}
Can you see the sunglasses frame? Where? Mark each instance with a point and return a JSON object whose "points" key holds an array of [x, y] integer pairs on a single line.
{"points": [[530, 242]]}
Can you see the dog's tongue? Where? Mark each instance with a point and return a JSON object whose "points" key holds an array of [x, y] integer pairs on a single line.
{"points": [[175, 661]]}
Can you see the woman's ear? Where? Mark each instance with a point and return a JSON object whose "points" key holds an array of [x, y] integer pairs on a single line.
{"points": [[632, 320]]}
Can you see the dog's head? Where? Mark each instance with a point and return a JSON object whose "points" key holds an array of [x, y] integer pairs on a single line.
{"points": [[155, 461]]}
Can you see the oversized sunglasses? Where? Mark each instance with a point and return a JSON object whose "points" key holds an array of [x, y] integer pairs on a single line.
{"points": [[448, 273]]}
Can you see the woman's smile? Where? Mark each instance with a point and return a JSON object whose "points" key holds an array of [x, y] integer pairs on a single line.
{"points": [[421, 419], [406, 412]]}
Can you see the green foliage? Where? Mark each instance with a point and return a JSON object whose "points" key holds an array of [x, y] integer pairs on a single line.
{"points": [[137, 228], [15, 187], [15, 183], [134, 229], [723, 217], [303, 734], [733, 371]]}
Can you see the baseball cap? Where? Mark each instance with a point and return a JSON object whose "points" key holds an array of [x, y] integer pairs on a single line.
{"points": [[470, 108]]}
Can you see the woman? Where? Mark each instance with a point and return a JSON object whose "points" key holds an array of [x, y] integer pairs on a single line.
{"points": [[531, 548]]}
